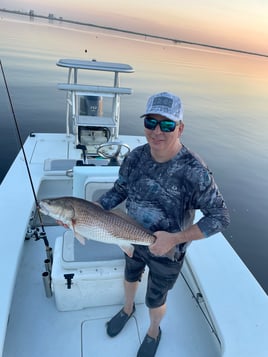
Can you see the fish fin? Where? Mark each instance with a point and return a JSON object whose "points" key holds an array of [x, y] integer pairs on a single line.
{"points": [[78, 236], [128, 249]]}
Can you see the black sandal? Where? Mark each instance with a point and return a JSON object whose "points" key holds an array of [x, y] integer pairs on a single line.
{"points": [[116, 324], [149, 346]]}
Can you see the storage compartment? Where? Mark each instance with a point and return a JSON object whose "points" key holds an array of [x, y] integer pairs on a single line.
{"points": [[90, 275]]}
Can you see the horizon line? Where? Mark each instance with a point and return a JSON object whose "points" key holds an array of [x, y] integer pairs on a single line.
{"points": [[110, 28]]}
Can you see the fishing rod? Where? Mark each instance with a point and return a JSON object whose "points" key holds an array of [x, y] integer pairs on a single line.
{"points": [[43, 234]]}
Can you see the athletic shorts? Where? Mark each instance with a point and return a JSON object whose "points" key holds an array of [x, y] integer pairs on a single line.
{"points": [[163, 273]]}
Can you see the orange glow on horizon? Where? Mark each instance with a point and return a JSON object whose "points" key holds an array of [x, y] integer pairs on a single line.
{"points": [[241, 24]]}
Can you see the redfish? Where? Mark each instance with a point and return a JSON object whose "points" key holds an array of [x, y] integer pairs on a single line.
{"points": [[90, 221]]}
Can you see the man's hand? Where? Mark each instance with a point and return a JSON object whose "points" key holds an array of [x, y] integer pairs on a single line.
{"points": [[165, 241]]}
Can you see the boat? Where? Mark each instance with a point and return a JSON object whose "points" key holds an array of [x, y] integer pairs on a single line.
{"points": [[57, 295]]}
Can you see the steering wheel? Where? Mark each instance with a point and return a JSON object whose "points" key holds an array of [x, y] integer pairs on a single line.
{"points": [[113, 153]]}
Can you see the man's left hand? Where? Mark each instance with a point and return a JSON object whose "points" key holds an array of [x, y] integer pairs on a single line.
{"points": [[164, 242]]}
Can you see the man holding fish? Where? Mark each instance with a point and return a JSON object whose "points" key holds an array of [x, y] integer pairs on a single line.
{"points": [[163, 182]]}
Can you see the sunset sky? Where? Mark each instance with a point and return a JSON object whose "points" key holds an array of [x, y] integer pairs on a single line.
{"points": [[240, 24]]}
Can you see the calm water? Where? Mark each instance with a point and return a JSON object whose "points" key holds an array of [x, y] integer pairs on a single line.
{"points": [[225, 98]]}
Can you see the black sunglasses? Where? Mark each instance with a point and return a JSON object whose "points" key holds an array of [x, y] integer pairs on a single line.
{"points": [[167, 126]]}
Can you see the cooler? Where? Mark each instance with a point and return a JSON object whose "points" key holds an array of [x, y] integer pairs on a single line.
{"points": [[90, 275]]}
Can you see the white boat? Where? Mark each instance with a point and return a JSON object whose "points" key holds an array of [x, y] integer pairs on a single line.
{"points": [[56, 298]]}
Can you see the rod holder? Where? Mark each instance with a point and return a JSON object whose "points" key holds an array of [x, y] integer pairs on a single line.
{"points": [[43, 235], [47, 284], [48, 265], [49, 254]]}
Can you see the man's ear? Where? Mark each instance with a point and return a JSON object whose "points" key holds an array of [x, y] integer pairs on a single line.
{"points": [[181, 128]]}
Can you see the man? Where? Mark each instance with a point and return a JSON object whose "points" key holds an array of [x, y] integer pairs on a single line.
{"points": [[163, 183]]}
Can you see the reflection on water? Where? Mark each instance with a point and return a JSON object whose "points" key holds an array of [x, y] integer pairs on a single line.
{"points": [[224, 96]]}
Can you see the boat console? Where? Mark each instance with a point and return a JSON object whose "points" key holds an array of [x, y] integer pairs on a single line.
{"points": [[93, 111]]}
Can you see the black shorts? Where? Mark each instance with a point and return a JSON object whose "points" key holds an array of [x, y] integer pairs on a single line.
{"points": [[163, 273]]}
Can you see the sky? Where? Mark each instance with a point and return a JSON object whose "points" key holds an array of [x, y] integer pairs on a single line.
{"points": [[239, 24]]}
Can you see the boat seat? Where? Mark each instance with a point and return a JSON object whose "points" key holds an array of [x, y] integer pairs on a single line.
{"points": [[89, 182]]}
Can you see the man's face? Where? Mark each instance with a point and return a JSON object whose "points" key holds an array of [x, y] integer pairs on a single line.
{"points": [[163, 142]]}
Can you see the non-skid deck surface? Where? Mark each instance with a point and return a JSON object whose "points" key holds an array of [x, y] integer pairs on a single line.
{"points": [[36, 328], [95, 341], [181, 336]]}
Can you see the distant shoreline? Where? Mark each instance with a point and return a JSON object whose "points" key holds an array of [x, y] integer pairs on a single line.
{"points": [[51, 17]]}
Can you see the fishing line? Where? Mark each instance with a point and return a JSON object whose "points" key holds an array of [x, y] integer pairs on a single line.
{"points": [[196, 298], [43, 235]]}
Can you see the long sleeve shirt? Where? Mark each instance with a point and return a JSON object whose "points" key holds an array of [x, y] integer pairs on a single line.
{"points": [[164, 196]]}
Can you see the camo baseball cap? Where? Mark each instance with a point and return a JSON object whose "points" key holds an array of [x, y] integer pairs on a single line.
{"points": [[166, 104]]}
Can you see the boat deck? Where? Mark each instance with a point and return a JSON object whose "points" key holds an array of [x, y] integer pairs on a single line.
{"points": [[33, 326], [185, 332]]}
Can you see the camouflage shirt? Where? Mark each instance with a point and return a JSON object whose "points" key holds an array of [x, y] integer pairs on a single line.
{"points": [[164, 196]]}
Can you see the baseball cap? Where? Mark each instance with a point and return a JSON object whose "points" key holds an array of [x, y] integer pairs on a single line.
{"points": [[166, 104]]}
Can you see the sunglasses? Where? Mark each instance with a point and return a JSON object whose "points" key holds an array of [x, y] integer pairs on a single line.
{"points": [[167, 126]]}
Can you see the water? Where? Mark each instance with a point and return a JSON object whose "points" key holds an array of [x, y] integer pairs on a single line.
{"points": [[225, 99]]}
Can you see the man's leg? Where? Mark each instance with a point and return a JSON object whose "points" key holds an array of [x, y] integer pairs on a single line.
{"points": [[130, 292], [156, 316], [150, 343], [117, 323], [134, 269]]}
